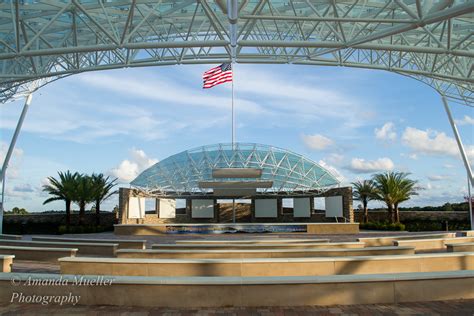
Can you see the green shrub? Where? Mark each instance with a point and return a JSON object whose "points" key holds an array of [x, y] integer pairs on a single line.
{"points": [[382, 226], [427, 225]]}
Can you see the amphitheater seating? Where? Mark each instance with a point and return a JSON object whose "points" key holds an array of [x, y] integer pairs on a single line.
{"points": [[257, 246], [122, 244], [10, 237], [215, 292], [432, 244], [6, 262], [38, 253], [262, 253], [100, 249], [268, 267], [388, 240], [250, 241], [461, 247]]}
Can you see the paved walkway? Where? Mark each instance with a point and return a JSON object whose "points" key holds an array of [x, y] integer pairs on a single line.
{"points": [[451, 308]]}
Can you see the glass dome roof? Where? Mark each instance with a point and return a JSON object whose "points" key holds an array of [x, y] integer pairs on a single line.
{"points": [[288, 172]]}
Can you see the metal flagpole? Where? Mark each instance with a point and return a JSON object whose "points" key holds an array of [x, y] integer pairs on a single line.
{"points": [[233, 15], [233, 114]]}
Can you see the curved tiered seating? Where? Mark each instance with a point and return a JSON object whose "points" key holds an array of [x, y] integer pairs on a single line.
{"points": [[10, 237], [388, 240], [6, 262], [261, 253], [193, 292], [235, 246], [268, 267], [83, 248], [122, 244], [38, 253], [460, 247], [432, 244], [250, 241]]}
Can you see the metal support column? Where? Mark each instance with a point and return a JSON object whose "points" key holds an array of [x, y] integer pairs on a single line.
{"points": [[9, 154], [469, 196], [458, 140]]}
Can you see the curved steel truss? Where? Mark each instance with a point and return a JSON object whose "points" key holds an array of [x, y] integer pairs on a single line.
{"points": [[429, 40], [288, 172]]}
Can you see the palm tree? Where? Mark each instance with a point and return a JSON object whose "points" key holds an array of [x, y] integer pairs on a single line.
{"points": [[62, 189], [102, 190], [84, 194], [394, 188], [406, 188], [364, 191]]}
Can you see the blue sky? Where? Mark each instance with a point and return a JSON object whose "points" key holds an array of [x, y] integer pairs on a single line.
{"points": [[119, 122]]}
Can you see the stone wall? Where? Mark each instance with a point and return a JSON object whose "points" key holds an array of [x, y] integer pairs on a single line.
{"points": [[244, 215]]}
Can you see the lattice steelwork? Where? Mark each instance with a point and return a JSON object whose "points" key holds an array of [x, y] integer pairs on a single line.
{"points": [[181, 173], [431, 41]]}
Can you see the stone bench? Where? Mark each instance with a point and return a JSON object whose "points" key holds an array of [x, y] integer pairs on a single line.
{"points": [[268, 267], [432, 244], [216, 292], [388, 240], [10, 237], [122, 244], [461, 247], [6, 262], [322, 245], [38, 253], [100, 249], [250, 241], [262, 253]]}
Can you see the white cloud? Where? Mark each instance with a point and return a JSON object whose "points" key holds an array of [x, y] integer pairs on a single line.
{"points": [[466, 120], [432, 142], [437, 177], [128, 170], [335, 159], [13, 169], [165, 91], [23, 188], [333, 170], [317, 141], [386, 132], [359, 165]]}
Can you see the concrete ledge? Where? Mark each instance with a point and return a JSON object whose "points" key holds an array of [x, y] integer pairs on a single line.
{"points": [[122, 244], [269, 267], [461, 247], [316, 245], [101, 249], [431, 244], [6, 262], [311, 228], [38, 253], [250, 241], [251, 291], [262, 253], [333, 228], [10, 237], [388, 241]]}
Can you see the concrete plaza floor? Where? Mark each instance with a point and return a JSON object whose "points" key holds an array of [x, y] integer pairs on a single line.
{"points": [[451, 308]]}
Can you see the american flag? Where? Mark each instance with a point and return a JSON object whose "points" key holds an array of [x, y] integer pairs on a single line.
{"points": [[217, 75]]}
